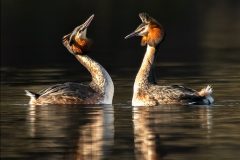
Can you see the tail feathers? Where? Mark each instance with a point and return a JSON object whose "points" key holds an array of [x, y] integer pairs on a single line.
{"points": [[32, 95], [206, 91]]}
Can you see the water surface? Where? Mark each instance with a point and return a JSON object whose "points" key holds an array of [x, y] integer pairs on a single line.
{"points": [[120, 131]]}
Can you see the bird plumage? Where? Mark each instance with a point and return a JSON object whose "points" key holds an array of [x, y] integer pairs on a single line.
{"points": [[99, 91], [147, 93], [66, 93]]}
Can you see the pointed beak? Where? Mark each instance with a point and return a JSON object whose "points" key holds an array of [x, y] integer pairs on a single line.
{"points": [[88, 21], [134, 33], [80, 28]]}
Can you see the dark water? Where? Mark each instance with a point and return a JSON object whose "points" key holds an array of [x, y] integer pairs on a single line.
{"points": [[120, 131]]}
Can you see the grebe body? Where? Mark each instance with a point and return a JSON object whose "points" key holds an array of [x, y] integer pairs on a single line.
{"points": [[146, 92], [99, 91]]}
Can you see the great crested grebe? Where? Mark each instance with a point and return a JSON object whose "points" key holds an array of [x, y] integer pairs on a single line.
{"points": [[146, 92], [99, 91]]}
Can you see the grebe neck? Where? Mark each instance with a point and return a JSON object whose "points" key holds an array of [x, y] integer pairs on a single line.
{"points": [[101, 80], [142, 78]]}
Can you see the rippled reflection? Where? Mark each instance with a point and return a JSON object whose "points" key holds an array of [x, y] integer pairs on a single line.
{"points": [[121, 131], [155, 127], [88, 129]]}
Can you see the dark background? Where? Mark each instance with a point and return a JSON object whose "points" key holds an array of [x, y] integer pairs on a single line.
{"points": [[196, 31]]}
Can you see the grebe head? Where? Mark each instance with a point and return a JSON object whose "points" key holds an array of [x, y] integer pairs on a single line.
{"points": [[77, 41], [151, 31]]}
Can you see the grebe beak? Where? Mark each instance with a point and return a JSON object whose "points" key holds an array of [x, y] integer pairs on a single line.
{"points": [[87, 23], [80, 29], [140, 31], [142, 28], [134, 33]]}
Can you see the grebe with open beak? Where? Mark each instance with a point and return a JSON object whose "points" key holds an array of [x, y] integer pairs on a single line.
{"points": [[146, 92], [99, 91]]}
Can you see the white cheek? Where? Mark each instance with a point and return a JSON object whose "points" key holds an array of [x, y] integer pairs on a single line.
{"points": [[144, 32], [82, 34]]}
